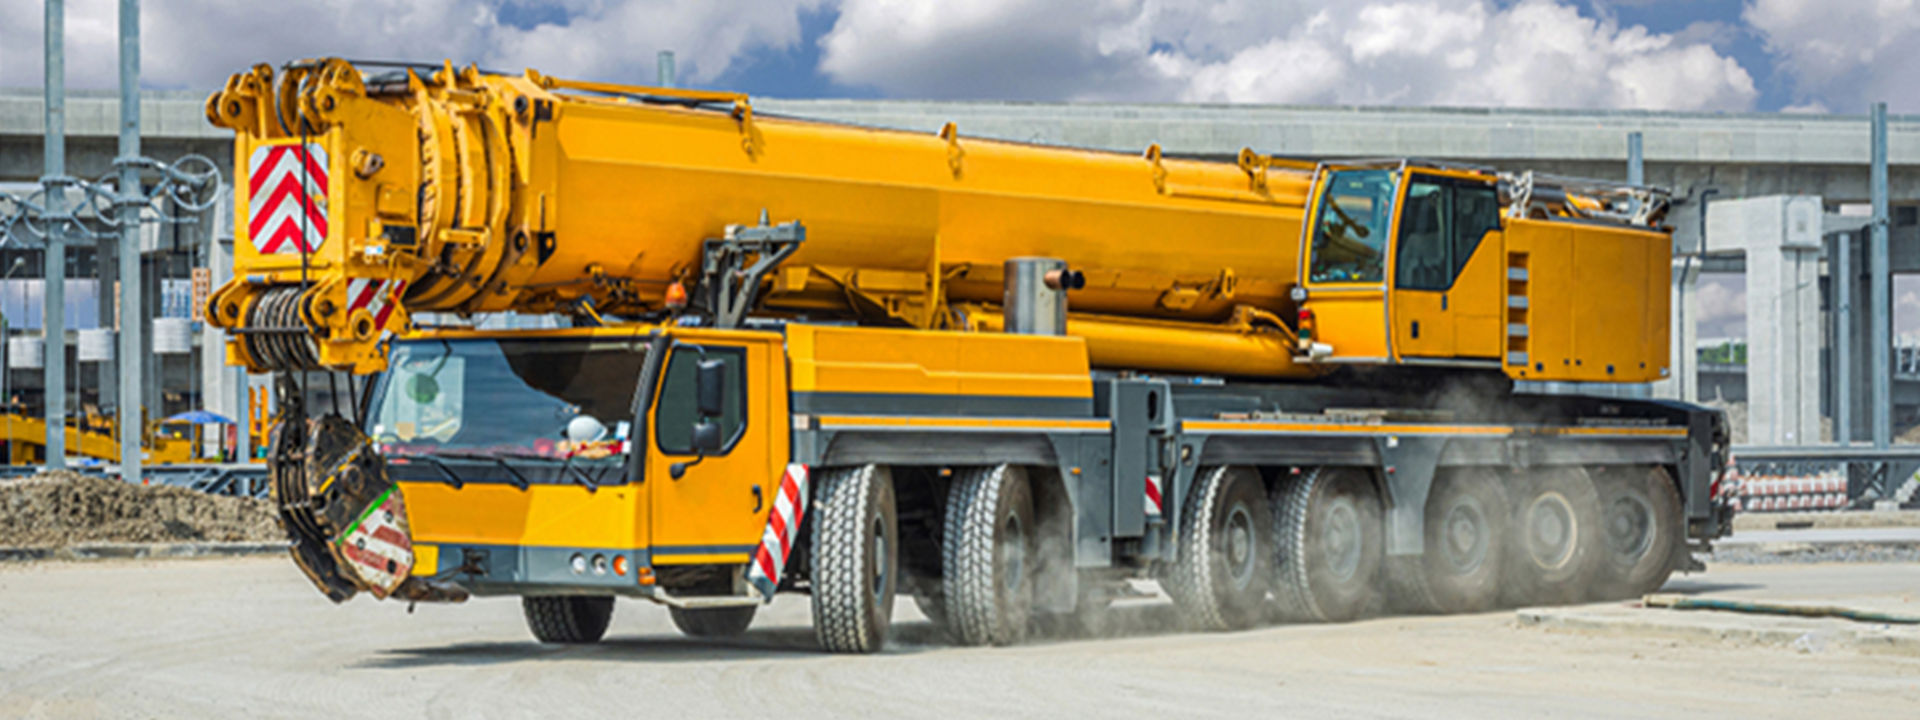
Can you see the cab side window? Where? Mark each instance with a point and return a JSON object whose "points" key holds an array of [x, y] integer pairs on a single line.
{"points": [[675, 414], [1440, 227], [1476, 212], [1425, 245]]}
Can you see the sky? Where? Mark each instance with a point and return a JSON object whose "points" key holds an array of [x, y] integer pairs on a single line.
{"points": [[1692, 55], [1706, 55]]}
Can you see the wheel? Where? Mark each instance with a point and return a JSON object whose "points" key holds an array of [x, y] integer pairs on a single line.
{"points": [[1330, 545], [989, 556], [567, 619], [854, 559], [1221, 571], [1552, 548], [1641, 525], [1466, 524], [712, 622]]}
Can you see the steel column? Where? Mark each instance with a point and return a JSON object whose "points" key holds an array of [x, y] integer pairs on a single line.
{"points": [[1880, 281], [131, 199], [1636, 163], [54, 281], [663, 68], [1842, 289]]}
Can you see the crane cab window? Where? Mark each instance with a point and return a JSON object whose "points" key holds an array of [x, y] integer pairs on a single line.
{"points": [[1441, 224], [1350, 242], [675, 414]]}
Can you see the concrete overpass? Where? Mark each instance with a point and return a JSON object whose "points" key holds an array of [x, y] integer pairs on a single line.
{"points": [[1743, 154], [1736, 155]]}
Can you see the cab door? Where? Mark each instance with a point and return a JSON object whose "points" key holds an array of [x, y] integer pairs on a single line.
{"points": [[1445, 297], [715, 510]]}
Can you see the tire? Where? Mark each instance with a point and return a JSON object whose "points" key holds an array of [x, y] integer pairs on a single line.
{"points": [[567, 619], [1221, 571], [1554, 538], [1466, 528], [1640, 525], [712, 622], [1330, 545], [990, 556], [855, 559]]}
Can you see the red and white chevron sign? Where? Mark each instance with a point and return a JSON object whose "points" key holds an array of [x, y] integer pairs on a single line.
{"points": [[286, 198], [377, 548], [783, 526], [378, 296], [1154, 506]]}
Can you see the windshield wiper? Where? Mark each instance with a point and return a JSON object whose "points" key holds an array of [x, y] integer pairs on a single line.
{"points": [[578, 476], [519, 481], [453, 478]]}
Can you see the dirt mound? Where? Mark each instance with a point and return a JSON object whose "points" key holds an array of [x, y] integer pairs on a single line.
{"points": [[64, 508]]}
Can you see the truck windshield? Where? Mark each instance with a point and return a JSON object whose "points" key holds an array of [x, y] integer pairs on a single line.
{"points": [[507, 397], [1349, 244]]}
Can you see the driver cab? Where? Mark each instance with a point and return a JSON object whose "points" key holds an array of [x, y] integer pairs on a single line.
{"points": [[1403, 266]]}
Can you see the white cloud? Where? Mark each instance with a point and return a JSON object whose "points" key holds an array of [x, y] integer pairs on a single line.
{"points": [[1423, 52], [1844, 53], [196, 44], [1722, 303]]}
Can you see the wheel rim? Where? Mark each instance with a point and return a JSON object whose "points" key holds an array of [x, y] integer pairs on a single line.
{"points": [[1465, 537], [1629, 526], [1340, 539], [1013, 552], [1237, 545], [1550, 530], [880, 551]]}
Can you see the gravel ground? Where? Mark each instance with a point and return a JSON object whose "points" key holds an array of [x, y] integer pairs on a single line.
{"points": [[1820, 553], [64, 508], [250, 638]]}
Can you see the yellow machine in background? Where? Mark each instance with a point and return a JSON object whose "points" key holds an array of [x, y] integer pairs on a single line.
{"points": [[887, 390], [26, 442]]}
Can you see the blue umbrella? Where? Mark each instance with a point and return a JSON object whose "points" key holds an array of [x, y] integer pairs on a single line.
{"points": [[200, 417]]}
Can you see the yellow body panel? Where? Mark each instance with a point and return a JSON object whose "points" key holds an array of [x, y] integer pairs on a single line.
{"points": [[715, 505], [1596, 302], [873, 360], [1353, 322], [541, 515], [1476, 300]]}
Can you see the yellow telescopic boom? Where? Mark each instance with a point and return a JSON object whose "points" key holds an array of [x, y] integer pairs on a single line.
{"points": [[367, 195]]}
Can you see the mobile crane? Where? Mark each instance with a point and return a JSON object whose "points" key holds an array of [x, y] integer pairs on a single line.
{"points": [[1001, 378]]}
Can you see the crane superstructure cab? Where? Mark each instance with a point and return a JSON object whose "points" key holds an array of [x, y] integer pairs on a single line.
{"points": [[1408, 263]]}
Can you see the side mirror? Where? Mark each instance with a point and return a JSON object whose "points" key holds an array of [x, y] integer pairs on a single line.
{"points": [[706, 437], [710, 389]]}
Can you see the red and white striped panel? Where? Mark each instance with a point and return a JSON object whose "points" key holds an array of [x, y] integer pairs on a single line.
{"points": [[1156, 506], [378, 549], [379, 297], [783, 527], [287, 198]]}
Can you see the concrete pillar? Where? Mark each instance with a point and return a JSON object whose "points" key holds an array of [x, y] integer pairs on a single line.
{"points": [[1683, 379], [1782, 239], [223, 387]]}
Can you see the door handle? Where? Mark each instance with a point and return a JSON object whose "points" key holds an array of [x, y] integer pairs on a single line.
{"points": [[759, 499], [1416, 329]]}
